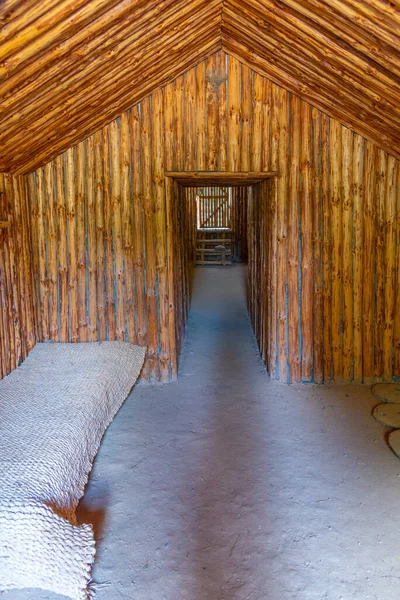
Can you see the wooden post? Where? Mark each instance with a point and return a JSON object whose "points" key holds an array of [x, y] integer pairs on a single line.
{"points": [[336, 201], [109, 271], [138, 241], [151, 272], [72, 244], [294, 357], [62, 248], [379, 266], [390, 268], [306, 246], [99, 201], [117, 229], [81, 240], [326, 249], [234, 117], [358, 275], [368, 262], [51, 235], [318, 369], [127, 242], [160, 231], [347, 256], [91, 241]]}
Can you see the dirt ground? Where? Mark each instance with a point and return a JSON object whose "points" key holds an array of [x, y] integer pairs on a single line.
{"points": [[226, 486]]}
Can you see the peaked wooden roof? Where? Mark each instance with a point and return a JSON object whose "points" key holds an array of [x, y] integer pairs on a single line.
{"points": [[67, 67]]}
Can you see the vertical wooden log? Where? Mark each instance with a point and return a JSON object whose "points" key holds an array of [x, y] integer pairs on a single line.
{"points": [[127, 241], [151, 273], [358, 275], [273, 249], [34, 228], [278, 211], [222, 110], [108, 238], [72, 244], [172, 306], [200, 116], [317, 249], [234, 117], [390, 268], [34, 296], [5, 304], [171, 229], [396, 337], [91, 242], [246, 118], [51, 250], [178, 111], [62, 248], [294, 356], [179, 280], [306, 246], [267, 129], [117, 229], [347, 221], [138, 242], [250, 271], [257, 123], [17, 238], [368, 262], [326, 249], [160, 231], [42, 251], [9, 274], [379, 234], [81, 240], [98, 194], [212, 84], [337, 245], [30, 292], [189, 119]]}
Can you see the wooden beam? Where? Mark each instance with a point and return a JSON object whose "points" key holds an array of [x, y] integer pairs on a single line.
{"points": [[225, 178]]}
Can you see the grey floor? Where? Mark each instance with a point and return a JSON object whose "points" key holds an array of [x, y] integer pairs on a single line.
{"points": [[226, 486]]}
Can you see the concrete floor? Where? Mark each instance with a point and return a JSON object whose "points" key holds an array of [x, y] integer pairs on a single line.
{"points": [[226, 486]]}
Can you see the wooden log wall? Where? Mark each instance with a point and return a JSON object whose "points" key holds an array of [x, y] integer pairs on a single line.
{"points": [[17, 300], [324, 282], [239, 223], [101, 220]]}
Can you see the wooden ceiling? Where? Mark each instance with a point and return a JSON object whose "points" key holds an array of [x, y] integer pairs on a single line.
{"points": [[342, 56], [68, 67]]}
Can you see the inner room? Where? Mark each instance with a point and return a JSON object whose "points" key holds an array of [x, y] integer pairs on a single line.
{"points": [[199, 300]]}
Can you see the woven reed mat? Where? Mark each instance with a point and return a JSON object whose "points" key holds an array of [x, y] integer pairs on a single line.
{"points": [[54, 410]]}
